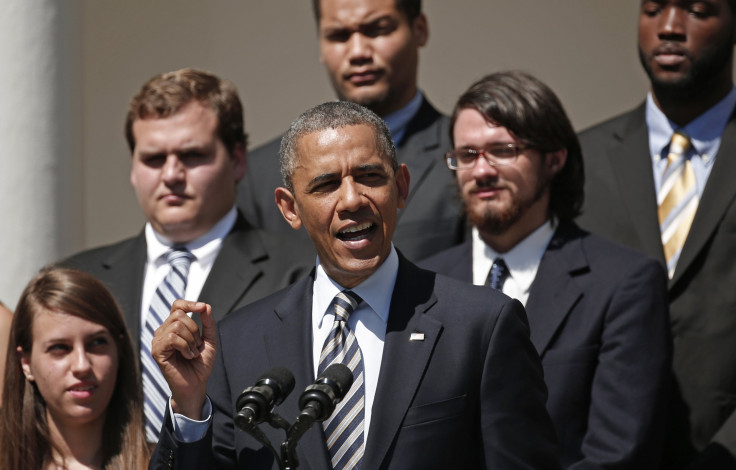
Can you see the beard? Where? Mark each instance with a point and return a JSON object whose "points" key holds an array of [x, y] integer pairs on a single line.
{"points": [[702, 70], [496, 221]]}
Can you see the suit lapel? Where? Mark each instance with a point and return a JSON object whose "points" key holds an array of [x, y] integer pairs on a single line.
{"points": [[126, 268], [717, 197], [290, 346], [234, 270], [553, 294], [422, 137], [404, 360], [632, 167]]}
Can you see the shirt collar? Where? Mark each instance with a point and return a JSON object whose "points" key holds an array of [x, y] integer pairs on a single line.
{"points": [[705, 131], [376, 291], [522, 260], [398, 121], [204, 248]]}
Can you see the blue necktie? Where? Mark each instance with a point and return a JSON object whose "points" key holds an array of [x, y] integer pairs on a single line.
{"points": [[499, 273], [155, 389], [344, 429]]}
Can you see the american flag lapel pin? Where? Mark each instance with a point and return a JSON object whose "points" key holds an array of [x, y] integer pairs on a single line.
{"points": [[416, 337]]}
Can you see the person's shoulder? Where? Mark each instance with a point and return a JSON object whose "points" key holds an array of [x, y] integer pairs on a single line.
{"points": [[445, 259], [617, 260], [286, 248], [265, 308], [613, 125], [428, 119], [6, 317], [461, 302], [86, 258], [266, 151]]}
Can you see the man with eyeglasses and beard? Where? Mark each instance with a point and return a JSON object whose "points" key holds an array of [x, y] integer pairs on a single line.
{"points": [[597, 311]]}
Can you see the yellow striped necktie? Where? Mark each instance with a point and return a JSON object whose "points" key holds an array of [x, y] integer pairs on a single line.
{"points": [[677, 199]]}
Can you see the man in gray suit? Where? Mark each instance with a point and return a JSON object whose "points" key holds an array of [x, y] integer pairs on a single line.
{"points": [[370, 49], [185, 132], [597, 311], [661, 180]]}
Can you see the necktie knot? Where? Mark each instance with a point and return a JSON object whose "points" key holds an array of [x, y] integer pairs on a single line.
{"points": [[679, 146], [344, 304], [180, 259], [499, 273]]}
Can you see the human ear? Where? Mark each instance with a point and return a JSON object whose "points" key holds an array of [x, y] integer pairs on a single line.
{"points": [[402, 184], [238, 158], [420, 27], [555, 161], [287, 205], [25, 363]]}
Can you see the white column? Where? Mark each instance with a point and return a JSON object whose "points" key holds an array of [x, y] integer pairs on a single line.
{"points": [[40, 116]]}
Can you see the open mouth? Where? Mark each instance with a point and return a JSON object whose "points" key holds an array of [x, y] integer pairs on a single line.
{"points": [[357, 232]]}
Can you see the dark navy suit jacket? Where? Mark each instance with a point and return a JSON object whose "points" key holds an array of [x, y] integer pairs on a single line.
{"points": [[469, 395], [598, 318]]}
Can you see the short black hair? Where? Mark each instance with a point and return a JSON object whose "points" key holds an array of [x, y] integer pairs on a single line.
{"points": [[410, 8]]}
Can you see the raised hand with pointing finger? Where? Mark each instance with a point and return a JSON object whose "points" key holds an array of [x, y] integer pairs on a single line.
{"points": [[186, 356]]}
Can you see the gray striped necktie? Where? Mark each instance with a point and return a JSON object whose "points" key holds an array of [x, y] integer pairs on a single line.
{"points": [[155, 389], [344, 429]]}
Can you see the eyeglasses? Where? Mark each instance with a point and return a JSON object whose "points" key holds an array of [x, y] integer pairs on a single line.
{"points": [[496, 155]]}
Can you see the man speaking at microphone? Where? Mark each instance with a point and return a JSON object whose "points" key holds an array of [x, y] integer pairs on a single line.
{"points": [[445, 375]]}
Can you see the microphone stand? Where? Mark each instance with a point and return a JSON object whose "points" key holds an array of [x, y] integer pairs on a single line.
{"points": [[288, 459], [249, 426], [303, 422]]}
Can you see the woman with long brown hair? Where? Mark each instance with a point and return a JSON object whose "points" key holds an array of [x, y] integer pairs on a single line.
{"points": [[72, 395]]}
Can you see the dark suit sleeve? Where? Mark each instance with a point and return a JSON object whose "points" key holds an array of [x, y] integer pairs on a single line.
{"points": [[216, 450], [171, 453], [517, 431], [724, 443], [631, 381]]}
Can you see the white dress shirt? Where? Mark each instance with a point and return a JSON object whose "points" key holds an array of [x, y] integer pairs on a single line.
{"points": [[368, 321], [522, 260], [205, 250]]}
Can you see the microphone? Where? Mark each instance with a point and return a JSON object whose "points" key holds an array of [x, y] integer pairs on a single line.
{"points": [[254, 405], [318, 400]]}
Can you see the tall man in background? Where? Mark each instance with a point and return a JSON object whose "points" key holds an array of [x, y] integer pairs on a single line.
{"points": [[186, 135], [660, 178], [370, 49]]}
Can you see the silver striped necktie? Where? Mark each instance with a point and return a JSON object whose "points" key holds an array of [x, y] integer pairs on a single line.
{"points": [[155, 389], [344, 429]]}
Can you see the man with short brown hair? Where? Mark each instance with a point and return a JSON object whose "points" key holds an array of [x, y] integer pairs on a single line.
{"points": [[185, 131]]}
